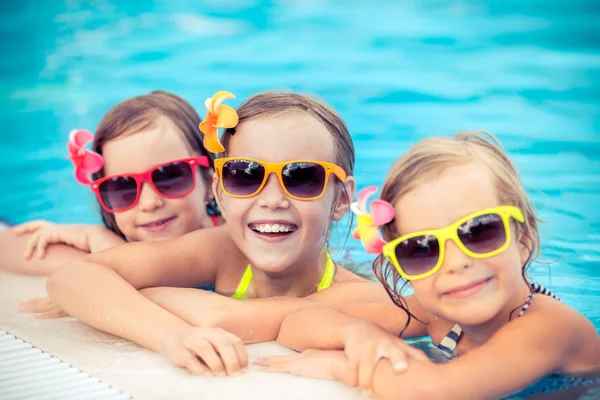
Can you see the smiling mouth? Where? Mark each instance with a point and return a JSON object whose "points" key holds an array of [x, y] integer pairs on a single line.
{"points": [[158, 223], [467, 290], [278, 229]]}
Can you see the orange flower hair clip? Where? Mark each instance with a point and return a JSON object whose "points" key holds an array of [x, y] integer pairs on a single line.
{"points": [[218, 116]]}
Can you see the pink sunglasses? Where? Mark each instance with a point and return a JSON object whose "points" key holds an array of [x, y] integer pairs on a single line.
{"points": [[173, 179]]}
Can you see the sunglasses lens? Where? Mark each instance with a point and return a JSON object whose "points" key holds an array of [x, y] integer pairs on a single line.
{"points": [[118, 193], [304, 179], [418, 255], [483, 234], [174, 180], [242, 177]]}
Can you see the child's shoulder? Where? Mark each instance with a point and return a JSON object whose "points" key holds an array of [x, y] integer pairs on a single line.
{"points": [[554, 313], [213, 245], [564, 329], [343, 275]]}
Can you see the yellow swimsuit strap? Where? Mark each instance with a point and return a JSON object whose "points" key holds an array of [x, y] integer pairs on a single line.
{"points": [[326, 280]]}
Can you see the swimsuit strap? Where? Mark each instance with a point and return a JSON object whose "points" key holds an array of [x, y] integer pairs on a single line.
{"points": [[326, 280], [535, 289], [329, 273], [214, 220], [242, 288], [526, 305], [450, 341]]}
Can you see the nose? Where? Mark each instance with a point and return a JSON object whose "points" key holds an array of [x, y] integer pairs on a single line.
{"points": [[149, 200], [455, 260], [272, 195]]}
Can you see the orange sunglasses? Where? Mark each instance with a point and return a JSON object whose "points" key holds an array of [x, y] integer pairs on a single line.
{"points": [[300, 179]]}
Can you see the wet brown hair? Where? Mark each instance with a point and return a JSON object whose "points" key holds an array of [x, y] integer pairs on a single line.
{"points": [[272, 103], [142, 112]]}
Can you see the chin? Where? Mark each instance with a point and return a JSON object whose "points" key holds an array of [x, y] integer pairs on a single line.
{"points": [[271, 264], [476, 315]]}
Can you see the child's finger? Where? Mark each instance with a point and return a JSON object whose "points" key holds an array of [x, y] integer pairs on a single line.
{"points": [[267, 361], [31, 244], [240, 349], [207, 353], [54, 313], [42, 244], [275, 364], [42, 304], [224, 347], [398, 356], [27, 227], [365, 372], [194, 365]]}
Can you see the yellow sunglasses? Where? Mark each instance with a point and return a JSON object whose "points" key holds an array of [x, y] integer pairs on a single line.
{"points": [[300, 179], [482, 234]]}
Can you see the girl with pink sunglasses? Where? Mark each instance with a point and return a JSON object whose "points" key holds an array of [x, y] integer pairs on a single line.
{"points": [[151, 176]]}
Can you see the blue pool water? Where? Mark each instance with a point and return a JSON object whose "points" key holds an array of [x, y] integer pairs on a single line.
{"points": [[397, 71]]}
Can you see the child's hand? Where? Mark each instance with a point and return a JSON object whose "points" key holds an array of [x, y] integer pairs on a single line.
{"points": [[44, 233], [206, 351], [44, 308], [367, 343], [319, 364]]}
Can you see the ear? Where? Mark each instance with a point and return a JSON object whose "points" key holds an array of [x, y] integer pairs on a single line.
{"points": [[525, 248], [345, 198], [208, 194], [218, 193]]}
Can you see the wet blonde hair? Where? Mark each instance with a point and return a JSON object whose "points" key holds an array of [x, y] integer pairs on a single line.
{"points": [[267, 104], [427, 160]]}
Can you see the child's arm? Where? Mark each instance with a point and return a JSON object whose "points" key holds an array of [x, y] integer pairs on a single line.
{"points": [[555, 339], [101, 290], [255, 320], [364, 341], [87, 238], [12, 248], [338, 323], [519, 354]]}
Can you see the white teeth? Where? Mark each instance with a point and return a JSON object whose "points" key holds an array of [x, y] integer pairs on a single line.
{"points": [[272, 228]]}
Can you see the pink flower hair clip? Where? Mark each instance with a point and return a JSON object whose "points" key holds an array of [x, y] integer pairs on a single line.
{"points": [[381, 213], [86, 161]]}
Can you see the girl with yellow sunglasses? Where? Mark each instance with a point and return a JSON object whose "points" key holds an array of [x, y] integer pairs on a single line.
{"points": [[459, 228]]}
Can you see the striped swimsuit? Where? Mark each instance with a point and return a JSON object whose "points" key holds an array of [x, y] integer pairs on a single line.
{"points": [[448, 344]]}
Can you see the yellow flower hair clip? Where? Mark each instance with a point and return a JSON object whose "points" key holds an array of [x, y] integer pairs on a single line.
{"points": [[218, 116], [381, 213]]}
